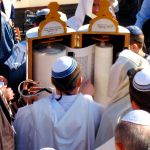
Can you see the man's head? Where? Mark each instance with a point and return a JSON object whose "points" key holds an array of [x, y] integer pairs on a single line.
{"points": [[96, 5], [136, 38], [139, 89], [41, 15], [133, 131], [66, 75]]}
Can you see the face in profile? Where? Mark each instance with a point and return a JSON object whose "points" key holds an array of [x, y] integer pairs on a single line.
{"points": [[95, 7]]}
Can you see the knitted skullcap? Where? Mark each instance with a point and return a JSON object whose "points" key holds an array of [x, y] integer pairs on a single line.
{"points": [[141, 80], [64, 66], [140, 117]]}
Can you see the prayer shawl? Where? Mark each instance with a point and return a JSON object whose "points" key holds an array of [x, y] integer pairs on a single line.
{"points": [[109, 145], [118, 90], [38, 125], [118, 85], [110, 118]]}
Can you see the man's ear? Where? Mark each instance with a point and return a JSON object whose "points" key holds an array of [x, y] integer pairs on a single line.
{"points": [[135, 48], [119, 146], [79, 82]]}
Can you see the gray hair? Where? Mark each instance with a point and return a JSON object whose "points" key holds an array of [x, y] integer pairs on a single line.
{"points": [[133, 136]]}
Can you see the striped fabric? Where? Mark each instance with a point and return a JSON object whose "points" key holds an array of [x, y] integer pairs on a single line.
{"points": [[6, 133], [4, 104]]}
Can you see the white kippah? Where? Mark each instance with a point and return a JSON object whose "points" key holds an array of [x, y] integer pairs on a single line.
{"points": [[63, 67], [140, 117], [47, 148], [41, 12], [45, 11], [141, 80]]}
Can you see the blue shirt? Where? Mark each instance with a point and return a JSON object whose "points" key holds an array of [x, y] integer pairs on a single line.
{"points": [[144, 14], [7, 42]]}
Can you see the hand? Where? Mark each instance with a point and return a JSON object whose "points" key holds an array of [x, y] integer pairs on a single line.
{"points": [[8, 93], [31, 87], [88, 88], [3, 79], [29, 83]]}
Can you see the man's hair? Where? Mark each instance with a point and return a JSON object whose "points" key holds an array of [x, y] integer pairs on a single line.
{"points": [[141, 98], [133, 136], [136, 36], [138, 39], [68, 83]]}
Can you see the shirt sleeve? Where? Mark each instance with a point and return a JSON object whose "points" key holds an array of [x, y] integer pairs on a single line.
{"points": [[144, 14]]}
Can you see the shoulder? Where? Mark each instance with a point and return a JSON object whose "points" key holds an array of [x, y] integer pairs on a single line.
{"points": [[93, 105], [38, 105], [22, 118], [91, 101], [133, 58], [41, 106], [23, 112], [23, 109], [26, 110]]}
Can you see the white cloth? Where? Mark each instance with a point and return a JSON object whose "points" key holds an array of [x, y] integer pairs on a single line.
{"points": [[18, 56], [118, 90], [118, 85], [7, 6], [46, 124], [148, 59], [110, 118], [85, 8], [109, 145]]}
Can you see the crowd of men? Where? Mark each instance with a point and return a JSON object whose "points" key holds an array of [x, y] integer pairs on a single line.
{"points": [[69, 118]]}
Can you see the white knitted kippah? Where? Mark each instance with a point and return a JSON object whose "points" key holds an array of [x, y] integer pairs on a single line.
{"points": [[63, 67], [141, 80], [140, 117]]}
